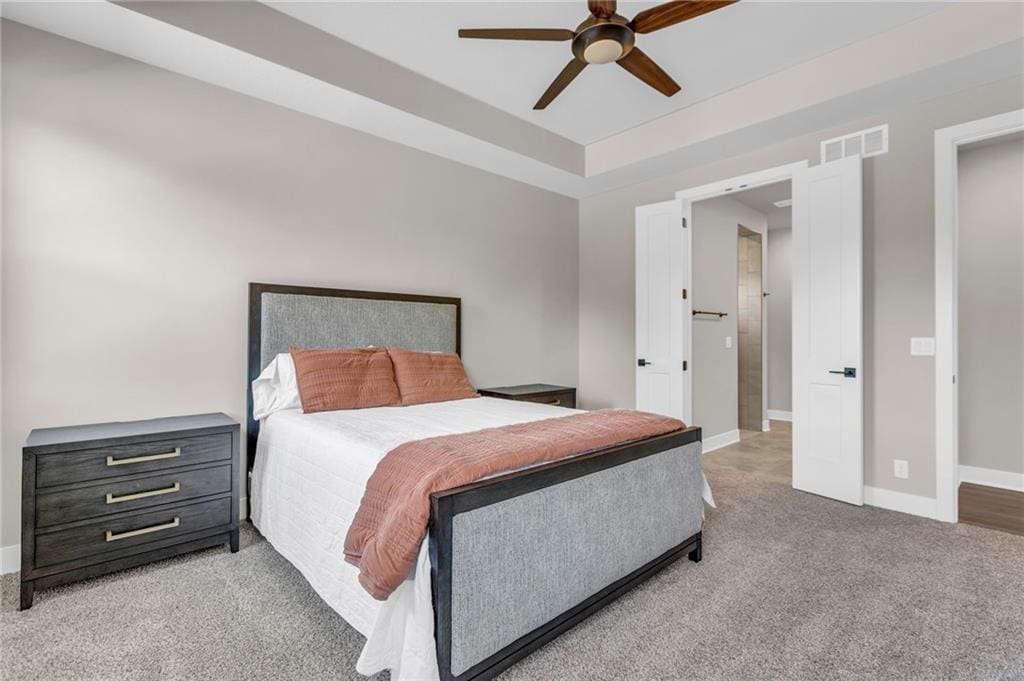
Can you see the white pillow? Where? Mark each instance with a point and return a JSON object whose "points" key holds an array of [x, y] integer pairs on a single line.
{"points": [[276, 388]]}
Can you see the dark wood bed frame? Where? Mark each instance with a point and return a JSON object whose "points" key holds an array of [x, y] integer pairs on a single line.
{"points": [[446, 505]]}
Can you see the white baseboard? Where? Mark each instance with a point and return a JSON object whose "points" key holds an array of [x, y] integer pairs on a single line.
{"points": [[926, 507], [10, 556], [766, 426], [729, 437], [10, 559], [992, 478], [777, 415]]}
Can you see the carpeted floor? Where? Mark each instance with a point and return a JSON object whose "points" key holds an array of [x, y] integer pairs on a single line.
{"points": [[792, 586]]}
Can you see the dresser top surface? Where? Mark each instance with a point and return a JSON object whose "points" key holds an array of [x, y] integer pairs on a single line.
{"points": [[49, 437], [527, 389]]}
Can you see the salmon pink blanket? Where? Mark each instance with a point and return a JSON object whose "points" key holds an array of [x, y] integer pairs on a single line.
{"points": [[385, 536]]}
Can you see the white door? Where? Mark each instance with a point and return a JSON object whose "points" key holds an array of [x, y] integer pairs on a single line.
{"points": [[662, 266], [828, 410]]}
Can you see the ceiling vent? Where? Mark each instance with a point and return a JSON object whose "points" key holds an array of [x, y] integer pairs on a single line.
{"points": [[870, 142]]}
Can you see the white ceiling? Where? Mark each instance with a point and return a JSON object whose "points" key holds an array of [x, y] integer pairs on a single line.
{"points": [[707, 56]]}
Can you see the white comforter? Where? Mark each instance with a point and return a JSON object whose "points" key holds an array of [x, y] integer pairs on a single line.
{"points": [[309, 477]]}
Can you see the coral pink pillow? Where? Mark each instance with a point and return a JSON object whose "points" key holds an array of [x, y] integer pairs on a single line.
{"points": [[430, 376], [345, 379]]}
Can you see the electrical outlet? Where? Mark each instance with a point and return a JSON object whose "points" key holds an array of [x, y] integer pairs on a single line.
{"points": [[901, 469], [728, 342]]}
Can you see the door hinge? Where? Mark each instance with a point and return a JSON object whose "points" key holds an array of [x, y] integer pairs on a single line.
{"points": [[684, 222], [684, 294], [684, 365]]}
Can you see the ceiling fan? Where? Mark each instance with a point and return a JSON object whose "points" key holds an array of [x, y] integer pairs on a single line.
{"points": [[606, 37]]}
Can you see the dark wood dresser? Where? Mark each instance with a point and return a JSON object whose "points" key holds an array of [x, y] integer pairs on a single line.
{"points": [[558, 395], [105, 497]]}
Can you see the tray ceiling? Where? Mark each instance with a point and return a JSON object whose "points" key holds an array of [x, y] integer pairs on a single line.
{"points": [[708, 55]]}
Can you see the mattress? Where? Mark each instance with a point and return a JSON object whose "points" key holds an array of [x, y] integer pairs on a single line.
{"points": [[308, 480]]}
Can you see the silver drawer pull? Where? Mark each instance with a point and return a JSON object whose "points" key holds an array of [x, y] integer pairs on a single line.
{"points": [[145, 530], [111, 461], [111, 499]]}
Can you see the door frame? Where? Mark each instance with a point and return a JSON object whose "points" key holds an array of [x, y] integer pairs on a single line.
{"points": [[947, 426], [712, 190]]}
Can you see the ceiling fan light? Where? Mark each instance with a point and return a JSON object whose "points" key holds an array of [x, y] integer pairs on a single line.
{"points": [[602, 51]]}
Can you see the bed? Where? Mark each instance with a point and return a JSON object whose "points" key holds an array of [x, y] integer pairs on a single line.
{"points": [[511, 561]]}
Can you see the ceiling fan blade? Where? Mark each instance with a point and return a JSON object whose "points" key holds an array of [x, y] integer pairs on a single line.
{"points": [[557, 34], [671, 13], [571, 70], [601, 8], [644, 68]]}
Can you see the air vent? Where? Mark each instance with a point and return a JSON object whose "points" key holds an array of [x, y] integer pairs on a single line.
{"points": [[870, 142]]}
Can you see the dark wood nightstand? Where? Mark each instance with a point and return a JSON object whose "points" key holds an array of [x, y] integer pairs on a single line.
{"points": [[558, 395], [109, 496]]}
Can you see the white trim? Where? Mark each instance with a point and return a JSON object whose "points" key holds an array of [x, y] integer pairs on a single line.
{"points": [[741, 182], [729, 437], [947, 140], [766, 426], [243, 503], [777, 415], [990, 477], [10, 559], [710, 191], [900, 501]]}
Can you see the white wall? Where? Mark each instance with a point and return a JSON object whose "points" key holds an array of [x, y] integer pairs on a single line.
{"points": [[139, 204], [899, 275], [991, 305], [715, 381], [779, 316]]}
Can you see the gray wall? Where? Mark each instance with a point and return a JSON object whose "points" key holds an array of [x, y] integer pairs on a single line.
{"points": [[715, 380], [138, 204], [899, 272], [991, 306], [779, 319]]}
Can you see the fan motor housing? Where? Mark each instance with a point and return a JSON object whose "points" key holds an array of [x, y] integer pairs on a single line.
{"points": [[595, 44]]}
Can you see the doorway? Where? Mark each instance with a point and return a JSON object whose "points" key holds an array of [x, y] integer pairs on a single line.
{"points": [[959, 371], [740, 376], [827, 319], [749, 322]]}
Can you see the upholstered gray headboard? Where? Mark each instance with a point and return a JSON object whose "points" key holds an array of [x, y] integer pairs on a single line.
{"points": [[282, 317]]}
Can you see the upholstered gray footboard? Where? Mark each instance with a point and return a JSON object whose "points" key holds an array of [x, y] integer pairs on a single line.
{"points": [[519, 559]]}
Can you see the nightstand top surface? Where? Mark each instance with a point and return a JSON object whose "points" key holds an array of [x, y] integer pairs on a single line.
{"points": [[528, 389], [49, 437]]}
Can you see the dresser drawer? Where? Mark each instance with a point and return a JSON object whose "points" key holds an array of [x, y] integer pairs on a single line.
{"points": [[566, 399], [143, 457], [54, 508], [114, 534]]}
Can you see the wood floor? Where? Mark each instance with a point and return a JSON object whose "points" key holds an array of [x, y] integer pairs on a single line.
{"points": [[992, 507]]}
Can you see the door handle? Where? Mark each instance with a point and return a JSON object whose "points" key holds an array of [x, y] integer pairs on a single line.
{"points": [[644, 363], [847, 372]]}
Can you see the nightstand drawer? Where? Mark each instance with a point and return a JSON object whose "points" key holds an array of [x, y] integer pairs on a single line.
{"points": [[115, 534], [566, 399], [102, 499], [143, 457]]}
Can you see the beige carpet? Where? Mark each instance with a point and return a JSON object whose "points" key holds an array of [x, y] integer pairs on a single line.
{"points": [[792, 586]]}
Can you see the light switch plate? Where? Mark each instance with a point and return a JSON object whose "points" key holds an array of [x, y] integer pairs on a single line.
{"points": [[922, 347], [900, 469], [728, 341]]}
